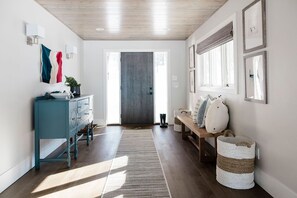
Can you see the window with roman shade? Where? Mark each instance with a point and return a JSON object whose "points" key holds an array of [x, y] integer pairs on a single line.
{"points": [[216, 59]]}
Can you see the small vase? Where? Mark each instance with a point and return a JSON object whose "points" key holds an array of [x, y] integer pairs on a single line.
{"points": [[75, 90]]}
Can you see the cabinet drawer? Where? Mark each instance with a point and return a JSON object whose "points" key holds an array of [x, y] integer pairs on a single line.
{"points": [[72, 115], [83, 105], [83, 115]]}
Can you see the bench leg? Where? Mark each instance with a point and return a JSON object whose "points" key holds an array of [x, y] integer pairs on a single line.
{"points": [[201, 149], [184, 136]]}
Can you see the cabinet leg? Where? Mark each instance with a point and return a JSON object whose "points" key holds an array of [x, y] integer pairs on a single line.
{"points": [[68, 153], [37, 152], [88, 134], [92, 131], [75, 147]]}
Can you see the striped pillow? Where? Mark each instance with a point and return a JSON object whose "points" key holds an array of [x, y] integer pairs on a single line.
{"points": [[195, 111]]}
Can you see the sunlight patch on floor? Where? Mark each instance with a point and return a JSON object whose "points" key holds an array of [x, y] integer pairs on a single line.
{"points": [[77, 181], [116, 181], [119, 162], [88, 189], [73, 175]]}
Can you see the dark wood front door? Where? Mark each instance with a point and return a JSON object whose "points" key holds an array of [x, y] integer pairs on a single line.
{"points": [[137, 100]]}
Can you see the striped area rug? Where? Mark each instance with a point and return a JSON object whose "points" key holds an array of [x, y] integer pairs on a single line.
{"points": [[136, 170]]}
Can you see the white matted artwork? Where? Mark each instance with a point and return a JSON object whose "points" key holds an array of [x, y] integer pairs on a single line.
{"points": [[255, 77], [192, 81], [254, 26], [192, 57]]}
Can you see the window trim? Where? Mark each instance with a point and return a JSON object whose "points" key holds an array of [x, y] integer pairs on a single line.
{"points": [[223, 89]]}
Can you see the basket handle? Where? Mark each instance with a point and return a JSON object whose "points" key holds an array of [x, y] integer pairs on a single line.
{"points": [[243, 144], [228, 132]]}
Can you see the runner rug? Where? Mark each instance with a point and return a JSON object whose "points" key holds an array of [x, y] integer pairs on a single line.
{"points": [[136, 170]]}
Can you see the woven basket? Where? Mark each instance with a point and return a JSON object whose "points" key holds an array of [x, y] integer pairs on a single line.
{"points": [[177, 123], [235, 162]]}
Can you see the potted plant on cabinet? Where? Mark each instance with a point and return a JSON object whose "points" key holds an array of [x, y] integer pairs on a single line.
{"points": [[73, 84]]}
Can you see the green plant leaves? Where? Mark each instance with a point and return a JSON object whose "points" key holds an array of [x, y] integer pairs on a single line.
{"points": [[71, 82]]}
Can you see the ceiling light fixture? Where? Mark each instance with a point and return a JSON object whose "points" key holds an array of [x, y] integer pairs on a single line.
{"points": [[160, 20]]}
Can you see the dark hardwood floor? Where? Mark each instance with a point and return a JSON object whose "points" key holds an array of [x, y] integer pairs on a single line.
{"points": [[186, 177]]}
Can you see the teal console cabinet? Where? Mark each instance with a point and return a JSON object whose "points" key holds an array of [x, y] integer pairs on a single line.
{"points": [[61, 119]]}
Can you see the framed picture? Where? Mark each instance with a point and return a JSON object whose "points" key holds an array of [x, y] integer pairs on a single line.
{"points": [[192, 57], [254, 26], [192, 81], [255, 77]]}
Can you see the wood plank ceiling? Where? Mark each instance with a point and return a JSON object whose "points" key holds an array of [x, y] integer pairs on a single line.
{"points": [[132, 19]]}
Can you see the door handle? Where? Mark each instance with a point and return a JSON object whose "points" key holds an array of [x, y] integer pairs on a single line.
{"points": [[151, 91]]}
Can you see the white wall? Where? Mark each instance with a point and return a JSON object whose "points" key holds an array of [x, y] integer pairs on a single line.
{"points": [[272, 125], [94, 78], [20, 82]]}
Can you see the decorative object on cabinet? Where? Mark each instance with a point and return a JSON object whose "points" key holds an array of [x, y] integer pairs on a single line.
{"points": [[73, 84], [235, 161], [254, 26], [61, 119], [255, 77], [60, 95], [33, 33], [51, 66], [192, 81], [192, 57]]}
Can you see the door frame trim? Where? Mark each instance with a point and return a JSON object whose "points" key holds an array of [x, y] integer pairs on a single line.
{"points": [[105, 51]]}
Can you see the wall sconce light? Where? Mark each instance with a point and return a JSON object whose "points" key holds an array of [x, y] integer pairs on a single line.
{"points": [[33, 33], [70, 51]]}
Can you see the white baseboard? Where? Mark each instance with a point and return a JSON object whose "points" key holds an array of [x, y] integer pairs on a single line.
{"points": [[273, 186], [100, 121], [14, 173]]}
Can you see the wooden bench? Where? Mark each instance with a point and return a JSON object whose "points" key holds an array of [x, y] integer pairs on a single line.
{"points": [[206, 152]]}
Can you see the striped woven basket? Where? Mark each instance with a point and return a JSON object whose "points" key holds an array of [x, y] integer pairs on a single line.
{"points": [[177, 123], [235, 162]]}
